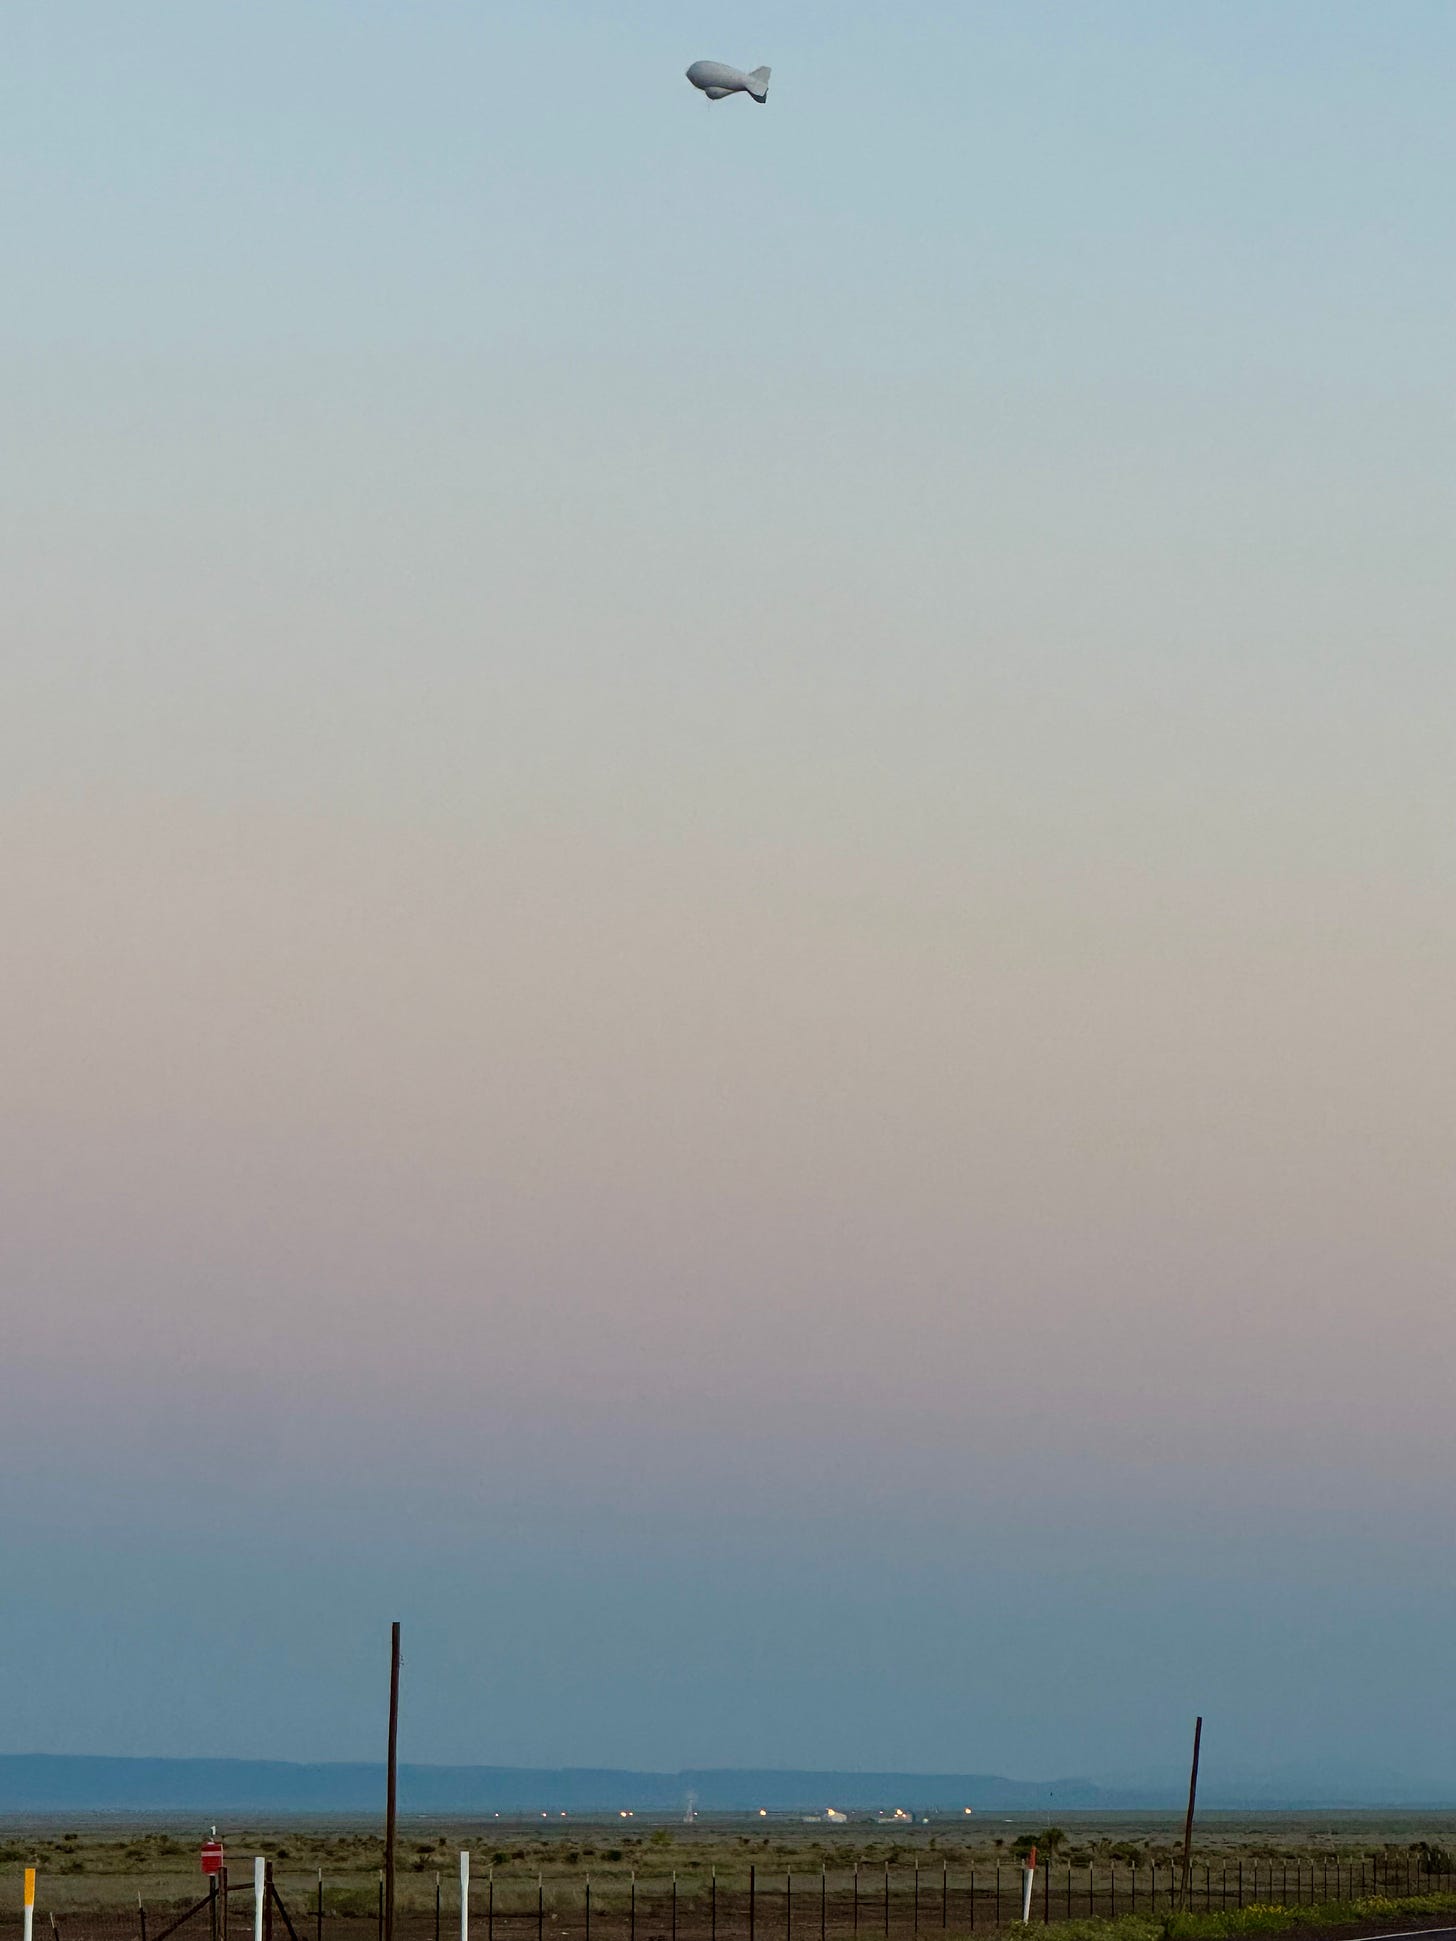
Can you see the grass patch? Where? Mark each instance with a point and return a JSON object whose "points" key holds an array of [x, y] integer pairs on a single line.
{"points": [[1376, 1911]]}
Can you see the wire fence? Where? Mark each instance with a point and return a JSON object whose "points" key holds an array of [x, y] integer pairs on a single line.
{"points": [[863, 1904]]}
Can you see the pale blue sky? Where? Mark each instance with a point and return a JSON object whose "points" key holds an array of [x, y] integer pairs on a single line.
{"points": [[729, 873]]}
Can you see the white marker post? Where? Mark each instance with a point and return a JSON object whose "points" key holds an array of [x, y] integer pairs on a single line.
{"points": [[29, 1902], [465, 1894], [260, 1889], [1026, 1887]]}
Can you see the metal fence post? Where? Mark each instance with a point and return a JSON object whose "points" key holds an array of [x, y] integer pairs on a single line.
{"points": [[823, 1902], [588, 1907], [752, 1900], [945, 1893], [318, 1908], [887, 1897], [854, 1918], [540, 1907]]}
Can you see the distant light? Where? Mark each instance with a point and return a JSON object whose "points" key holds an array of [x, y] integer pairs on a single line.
{"points": [[969, 1809], [763, 1812]]}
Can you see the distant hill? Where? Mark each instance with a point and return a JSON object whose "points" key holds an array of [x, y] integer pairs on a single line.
{"points": [[43, 1783], [208, 1789]]}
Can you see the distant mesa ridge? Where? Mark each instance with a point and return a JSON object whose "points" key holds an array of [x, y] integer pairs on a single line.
{"points": [[207, 1788], [41, 1782]]}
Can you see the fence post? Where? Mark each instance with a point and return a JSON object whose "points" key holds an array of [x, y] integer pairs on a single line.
{"points": [[437, 1907], [1046, 1893], [712, 1904], [887, 1897], [915, 1908], [465, 1894], [972, 1922], [674, 1904], [632, 1906], [588, 1907], [267, 1900], [998, 1893], [788, 1905], [379, 1924], [224, 1892], [258, 1898], [823, 1902], [945, 1893], [540, 1907], [752, 1900], [489, 1906], [141, 1917], [318, 1908]]}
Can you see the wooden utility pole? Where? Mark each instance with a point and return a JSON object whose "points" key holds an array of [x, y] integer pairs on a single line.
{"points": [[389, 1803], [1185, 1898]]}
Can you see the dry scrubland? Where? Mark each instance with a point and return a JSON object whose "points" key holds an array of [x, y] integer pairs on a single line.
{"points": [[104, 1869]]}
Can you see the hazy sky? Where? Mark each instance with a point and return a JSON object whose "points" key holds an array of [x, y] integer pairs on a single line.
{"points": [[728, 866]]}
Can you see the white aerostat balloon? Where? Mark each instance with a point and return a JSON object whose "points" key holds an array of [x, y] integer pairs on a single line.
{"points": [[716, 80]]}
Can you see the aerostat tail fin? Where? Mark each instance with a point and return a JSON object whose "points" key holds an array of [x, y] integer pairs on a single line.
{"points": [[758, 83]]}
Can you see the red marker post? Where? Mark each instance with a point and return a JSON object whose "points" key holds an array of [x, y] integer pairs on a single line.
{"points": [[1028, 1881], [214, 1869]]}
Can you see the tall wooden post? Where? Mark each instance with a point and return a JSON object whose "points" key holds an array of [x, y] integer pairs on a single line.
{"points": [[1186, 1896], [390, 1782]]}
